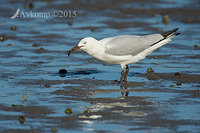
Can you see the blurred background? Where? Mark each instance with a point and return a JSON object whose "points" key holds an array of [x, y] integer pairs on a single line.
{"points": [[44, 90]]}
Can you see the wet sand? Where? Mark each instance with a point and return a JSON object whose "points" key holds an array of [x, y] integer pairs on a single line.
{"points": [[34, 95]]}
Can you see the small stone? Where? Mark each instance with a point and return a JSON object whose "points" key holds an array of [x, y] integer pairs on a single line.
{"points": [[87, 111], [35, 45], [2, 38], [62, 71], [150, 70], [47, 86], [54, 129], [30, 5], [21, 119], [197, 46], [69, 111], [40, 50], [165, 19], [70, 23], [13, 28], [177, 74], [14, 105], [9, 44], [92, 29], [178, 84]]}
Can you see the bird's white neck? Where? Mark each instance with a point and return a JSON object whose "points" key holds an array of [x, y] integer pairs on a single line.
{"points": [[96, 50]]}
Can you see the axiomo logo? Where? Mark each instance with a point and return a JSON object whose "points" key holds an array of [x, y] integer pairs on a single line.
{"points": [[30, 14]]}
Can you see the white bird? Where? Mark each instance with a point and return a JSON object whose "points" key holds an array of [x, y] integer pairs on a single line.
{"points": [[124, 49]]}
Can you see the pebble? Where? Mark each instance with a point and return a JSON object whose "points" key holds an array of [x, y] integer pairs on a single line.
{"points": [[165, 19], [54, 129], [47, 86], [177, 74], [2, 38], [70, 23], [197, 46], [13, 28], [35, 45], [30, 5], [21, 119], [69, 111], [62, 71], [14, 105], [150, 70], [87, 111]]}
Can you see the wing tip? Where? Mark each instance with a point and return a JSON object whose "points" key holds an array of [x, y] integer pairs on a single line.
{"points": [[170, 33]]}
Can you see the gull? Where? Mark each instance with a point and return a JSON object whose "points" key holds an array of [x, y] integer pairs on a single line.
{"points": [[124, 49]]}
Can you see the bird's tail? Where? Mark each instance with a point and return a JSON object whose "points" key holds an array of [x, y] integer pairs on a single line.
{"points": [[170, 34], [167, 35]]}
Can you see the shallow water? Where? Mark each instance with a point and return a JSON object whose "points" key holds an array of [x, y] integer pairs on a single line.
{"points": [[165, 101]]}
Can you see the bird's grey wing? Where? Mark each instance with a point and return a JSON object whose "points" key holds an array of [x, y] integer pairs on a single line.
{"points": [[130, 44]]}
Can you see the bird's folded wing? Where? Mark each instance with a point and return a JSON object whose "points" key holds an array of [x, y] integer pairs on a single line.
{"points": [[130, 44]]}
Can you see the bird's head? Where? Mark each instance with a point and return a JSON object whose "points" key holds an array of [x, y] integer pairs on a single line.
{"points": [[85, 44]]}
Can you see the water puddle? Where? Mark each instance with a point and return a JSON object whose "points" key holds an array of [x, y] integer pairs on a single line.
{"points": [[44, 90]]}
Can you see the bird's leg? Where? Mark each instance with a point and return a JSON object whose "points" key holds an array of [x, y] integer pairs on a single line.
{"points": [[123, 86], [125, 81], [122, 75], [126, 73], [127, 92]]}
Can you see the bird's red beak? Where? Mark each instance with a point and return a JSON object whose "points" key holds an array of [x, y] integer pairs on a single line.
{"points": [[74, 49]]}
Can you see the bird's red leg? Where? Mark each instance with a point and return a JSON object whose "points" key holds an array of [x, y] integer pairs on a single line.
{"points": [[122, 75], [126, 73], [125, 81]]}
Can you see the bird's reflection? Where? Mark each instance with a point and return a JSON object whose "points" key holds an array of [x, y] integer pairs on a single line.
{"points": [[124, 89]]}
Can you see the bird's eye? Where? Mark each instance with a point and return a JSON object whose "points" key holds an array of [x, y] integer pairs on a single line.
{"points": [[85, 42]]}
